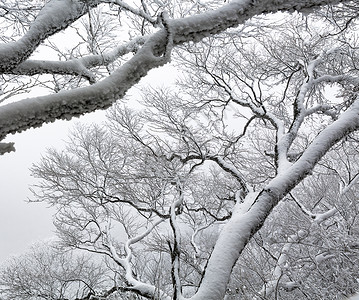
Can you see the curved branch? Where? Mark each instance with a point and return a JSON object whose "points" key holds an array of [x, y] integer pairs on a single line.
{"points": [[55, 16], [134, 285]]}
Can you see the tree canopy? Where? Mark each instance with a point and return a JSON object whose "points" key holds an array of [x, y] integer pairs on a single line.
{"points": [[237, 181]]}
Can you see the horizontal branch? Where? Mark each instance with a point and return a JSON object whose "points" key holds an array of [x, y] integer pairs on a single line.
{"points": [[79, 66], [33, 112]]}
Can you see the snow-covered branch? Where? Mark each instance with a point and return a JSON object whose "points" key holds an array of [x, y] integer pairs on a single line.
{"points": [[33, 112], [175, 249], [277, 274], [141, 288], [56, 15], [194, 235], [80, 66], [350, 184]]}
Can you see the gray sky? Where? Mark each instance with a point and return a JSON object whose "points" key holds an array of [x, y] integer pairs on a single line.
{"points": [[22, 223]]}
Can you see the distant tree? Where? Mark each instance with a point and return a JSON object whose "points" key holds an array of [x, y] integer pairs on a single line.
{"points": [[44, 272], [111, 193]]}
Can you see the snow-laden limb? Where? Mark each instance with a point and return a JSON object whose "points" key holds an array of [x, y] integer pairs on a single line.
{"points": [[133, 45], [33, 112], [56, 15], [318, 218], [70, 67], [175, 251], [284, 141], [144, 289], [322, 108], [241, 227], [277, 274], [80, 66], [36, 111]]}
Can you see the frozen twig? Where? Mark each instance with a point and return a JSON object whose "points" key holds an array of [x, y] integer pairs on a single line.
{"points": [[138, 12], [350, 184], [175, 251], [144, 289]]}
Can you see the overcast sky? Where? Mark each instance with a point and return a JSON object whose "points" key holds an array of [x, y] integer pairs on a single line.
{"points": [[23, 223]]}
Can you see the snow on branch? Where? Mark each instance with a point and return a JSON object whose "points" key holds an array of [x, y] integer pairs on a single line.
{"points": [[317, 217], [55, 16], [70, 67], [277, 274], [134, 285], [79, 66], [34, 112], [175, 249], [350, 184]]}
